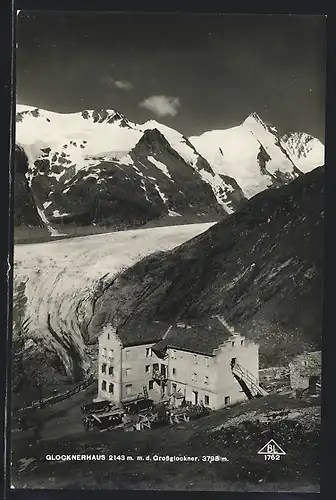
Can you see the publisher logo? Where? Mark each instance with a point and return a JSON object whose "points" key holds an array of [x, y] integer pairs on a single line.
{"points": [[271, 450]]}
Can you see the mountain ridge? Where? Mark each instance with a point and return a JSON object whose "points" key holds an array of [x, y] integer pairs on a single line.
{"points": [[96, 153]]}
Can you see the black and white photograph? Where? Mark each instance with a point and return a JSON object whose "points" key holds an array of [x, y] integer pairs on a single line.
{"points": [[168, 191]]}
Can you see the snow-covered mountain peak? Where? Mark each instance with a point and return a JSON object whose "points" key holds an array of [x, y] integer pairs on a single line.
{"points": [[104, 116], [256, 156], [152, 124], [299, 138], [166, 131], [153, 135], [176, 140], [23, 112], [254, 118], [84, 133], [69, 149], [306, 150], [152, 140], [257, 126]]}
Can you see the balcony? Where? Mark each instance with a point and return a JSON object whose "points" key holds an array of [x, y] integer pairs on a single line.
{"points": [[160, 375]]}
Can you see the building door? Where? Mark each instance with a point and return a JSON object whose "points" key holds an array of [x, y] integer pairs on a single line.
{"points": [[233, 362], [313, 380], [163, 370], [195, 397]]}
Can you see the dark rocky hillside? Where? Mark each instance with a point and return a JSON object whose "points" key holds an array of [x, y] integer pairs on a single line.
{"points": [[25, 212], [261, 268], [113, 194], [127, 197]]}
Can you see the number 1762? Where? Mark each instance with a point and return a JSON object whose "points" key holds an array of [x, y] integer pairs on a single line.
{"points": [[272, 457]]}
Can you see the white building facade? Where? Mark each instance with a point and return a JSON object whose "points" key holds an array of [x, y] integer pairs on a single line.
{"points": [[202, 377], [208, 379]]}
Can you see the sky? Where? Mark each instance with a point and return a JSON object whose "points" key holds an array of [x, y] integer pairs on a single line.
{"points": [[192, 72]]}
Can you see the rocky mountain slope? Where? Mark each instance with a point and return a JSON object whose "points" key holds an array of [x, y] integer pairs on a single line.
{"points": [[261, 268], [97, 167], [25, 205]]}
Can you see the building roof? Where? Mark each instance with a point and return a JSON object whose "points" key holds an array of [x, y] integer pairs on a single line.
{"points": [[200, 336], [141, 333], [312, 358], [309, 363]]}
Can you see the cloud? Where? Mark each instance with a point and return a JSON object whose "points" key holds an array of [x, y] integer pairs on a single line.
{"points": [[120, 84], [123, 85], [161, 105]]}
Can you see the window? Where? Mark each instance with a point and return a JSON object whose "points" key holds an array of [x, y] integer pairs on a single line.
{"points": [[174, 371], [127, 354], [103, 386], [108, 336], [241, 342], [227, 400], [147, 368], [148, 352], [156, 367], [151, 384], [128, 388], [194, 377], [195, 359], [206, 400], [174, 387], [111, 353], [206, 380], [104, 352], [128, 372], [111, 371], [233, 343], [206, 361], [111, 388], [173, 354], [103, 368]]}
